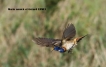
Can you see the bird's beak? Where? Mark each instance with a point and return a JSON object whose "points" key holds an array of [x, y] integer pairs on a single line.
{"points": [[52, 49]]}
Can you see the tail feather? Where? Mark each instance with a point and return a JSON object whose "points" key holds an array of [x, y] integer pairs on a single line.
{"points": [[80, 38]]}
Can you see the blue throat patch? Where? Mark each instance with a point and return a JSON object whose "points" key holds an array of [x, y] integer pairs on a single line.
{"points": [[61, 50]]}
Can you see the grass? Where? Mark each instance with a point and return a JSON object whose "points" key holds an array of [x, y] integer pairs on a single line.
{"points": [[17, 28]]}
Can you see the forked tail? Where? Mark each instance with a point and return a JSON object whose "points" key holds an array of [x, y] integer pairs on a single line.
{"points": [[80, 38]]}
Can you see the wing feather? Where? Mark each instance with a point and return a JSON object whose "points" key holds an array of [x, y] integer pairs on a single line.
{"points": [[69, 32], [47, 42]]}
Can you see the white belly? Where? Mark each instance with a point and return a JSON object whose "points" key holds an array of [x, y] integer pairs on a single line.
{"points": [[68, 45]]}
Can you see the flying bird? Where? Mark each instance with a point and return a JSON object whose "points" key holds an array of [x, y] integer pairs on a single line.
{"points": [[66, 43]]}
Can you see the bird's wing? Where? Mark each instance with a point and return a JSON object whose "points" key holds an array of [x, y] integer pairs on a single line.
{"points": [[69, 32], [47, 42]]}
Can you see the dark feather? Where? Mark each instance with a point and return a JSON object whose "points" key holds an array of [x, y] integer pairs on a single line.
{"points": [[80, 38], [47, 42], [69, 32]]}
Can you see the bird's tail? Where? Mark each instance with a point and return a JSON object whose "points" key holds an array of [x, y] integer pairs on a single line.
{"points": [[80, 38]]}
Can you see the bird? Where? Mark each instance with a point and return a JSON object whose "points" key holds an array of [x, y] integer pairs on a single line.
{"points": [[65, 44]]}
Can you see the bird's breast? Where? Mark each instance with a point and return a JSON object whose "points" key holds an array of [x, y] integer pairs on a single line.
{"points": [[68, 45]]}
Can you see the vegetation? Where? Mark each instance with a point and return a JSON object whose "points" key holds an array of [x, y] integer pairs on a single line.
{"points": [[18, 27]]}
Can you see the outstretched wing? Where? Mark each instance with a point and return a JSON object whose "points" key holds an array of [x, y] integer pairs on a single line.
{"points": [[47, 42], [69, 32]]}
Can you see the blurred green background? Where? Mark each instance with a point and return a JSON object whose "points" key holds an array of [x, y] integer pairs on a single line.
{"points": [[17, 28]]}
